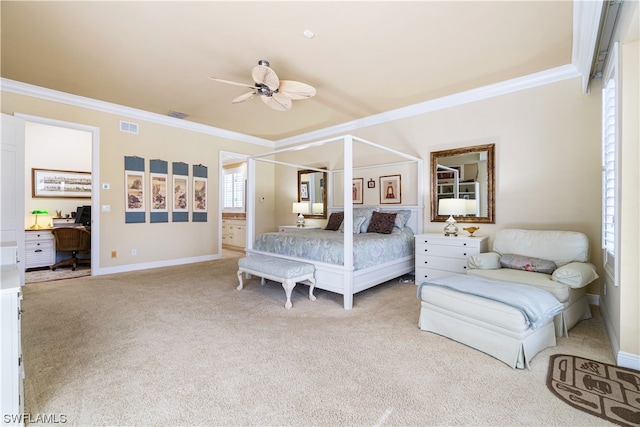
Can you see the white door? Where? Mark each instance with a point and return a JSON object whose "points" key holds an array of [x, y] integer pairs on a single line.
{"points": [[12, 187]]}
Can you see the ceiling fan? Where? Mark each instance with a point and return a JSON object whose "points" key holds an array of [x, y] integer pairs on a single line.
{"points": [[274, 92]]}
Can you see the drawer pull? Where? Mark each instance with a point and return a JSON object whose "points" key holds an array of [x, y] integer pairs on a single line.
{"points": [[38, 250], [465, 254], [426, 262], [464, 244], [426, 250]]}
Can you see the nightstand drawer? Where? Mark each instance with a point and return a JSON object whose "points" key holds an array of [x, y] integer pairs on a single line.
{"points": [[446, 251], [426, 274], [454, 265], [461, 242]]}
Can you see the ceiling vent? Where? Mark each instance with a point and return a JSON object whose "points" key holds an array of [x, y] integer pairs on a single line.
{"points": [[128, 127], [177, 114]]}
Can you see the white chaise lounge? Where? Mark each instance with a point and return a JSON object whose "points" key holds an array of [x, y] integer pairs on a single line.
{"points": [[569, 250]]}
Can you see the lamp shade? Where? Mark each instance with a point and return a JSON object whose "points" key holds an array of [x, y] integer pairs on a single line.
{"points": [[300, 208], [472, 207], [452, 207], [39, 212]]}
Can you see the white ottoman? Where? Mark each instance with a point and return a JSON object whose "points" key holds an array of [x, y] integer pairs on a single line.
{"points": [[281, 270], [487, 325]]}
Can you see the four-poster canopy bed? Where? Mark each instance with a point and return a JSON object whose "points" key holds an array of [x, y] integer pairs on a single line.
{"points": [[349, 272]]}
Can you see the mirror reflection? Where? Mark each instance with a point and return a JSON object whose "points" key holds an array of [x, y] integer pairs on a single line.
{"points": [[466, 174], [312, 192]]}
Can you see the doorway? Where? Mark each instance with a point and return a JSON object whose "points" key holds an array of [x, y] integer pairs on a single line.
{"points": [[53, 147], [232, 219]]}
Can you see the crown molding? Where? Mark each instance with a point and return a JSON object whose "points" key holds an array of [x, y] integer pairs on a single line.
{"points": [[508, 86], [26, 89]]}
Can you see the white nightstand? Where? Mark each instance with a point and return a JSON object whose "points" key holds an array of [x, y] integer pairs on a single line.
{"points": [[438, 255], [295, 228]]}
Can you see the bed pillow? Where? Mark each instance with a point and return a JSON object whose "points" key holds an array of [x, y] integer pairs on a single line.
{"points": [[335, 220], [366, 213], [357, 224], [402, 217], [381, 223], [521, 262]]}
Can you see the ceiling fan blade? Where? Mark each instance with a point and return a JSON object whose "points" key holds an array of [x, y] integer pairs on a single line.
{"points": [[244, 97], [278, 101], [296, 90], [232, 83], [264, 75]]}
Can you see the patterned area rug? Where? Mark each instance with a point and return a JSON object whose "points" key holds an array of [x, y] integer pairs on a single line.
{"points": [[47, 275], [606, 391]]}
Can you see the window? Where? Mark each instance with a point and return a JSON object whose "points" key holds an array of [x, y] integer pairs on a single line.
{"points": [[610, 187], [234, 189]]}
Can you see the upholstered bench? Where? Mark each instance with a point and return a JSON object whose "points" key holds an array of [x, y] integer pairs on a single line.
{"points": [[281, 270], [502, 330]]}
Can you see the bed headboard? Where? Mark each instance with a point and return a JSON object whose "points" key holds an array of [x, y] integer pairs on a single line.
{"points": [[415, 220]]}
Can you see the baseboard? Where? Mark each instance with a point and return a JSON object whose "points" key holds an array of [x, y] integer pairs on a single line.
{"points": [[157, 264], [628, 360], [593, 299]]}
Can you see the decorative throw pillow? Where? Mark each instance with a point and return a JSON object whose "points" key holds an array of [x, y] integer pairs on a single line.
{"points": [[335, 220], [366, 212], [357, 223], [521, 262], [381, 223], [402, 217]]}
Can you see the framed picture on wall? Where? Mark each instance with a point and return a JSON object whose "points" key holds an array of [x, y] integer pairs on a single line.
{"points": [[304, 191], [159, 192], [199, 194], [390, 189], [135, 191], [356, 190], [60, 183], [180, 193]]}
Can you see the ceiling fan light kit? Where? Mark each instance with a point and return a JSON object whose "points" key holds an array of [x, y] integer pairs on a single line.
{"points": [[275, 93]]}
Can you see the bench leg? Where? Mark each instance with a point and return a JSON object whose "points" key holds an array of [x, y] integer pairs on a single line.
{"points": [[312, 297], [288, 286], [240, 279]]}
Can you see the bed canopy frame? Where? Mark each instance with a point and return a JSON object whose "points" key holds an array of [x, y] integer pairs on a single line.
{"points": [[343, 279]]}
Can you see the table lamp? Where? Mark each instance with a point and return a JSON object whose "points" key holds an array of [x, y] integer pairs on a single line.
{"points": [[36, 213], [452, 207], [300, 209]]}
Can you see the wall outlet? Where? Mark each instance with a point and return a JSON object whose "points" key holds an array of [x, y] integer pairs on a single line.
{"points": [[114, 254], [134, 252]]}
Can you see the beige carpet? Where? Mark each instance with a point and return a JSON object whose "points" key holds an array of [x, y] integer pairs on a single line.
{"points": [[180, 346]]}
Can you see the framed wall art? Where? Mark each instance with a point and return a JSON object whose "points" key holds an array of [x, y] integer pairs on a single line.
{"points": [[60, 183], [390, 189], [200, 201], [134, 211], [356, 190]]}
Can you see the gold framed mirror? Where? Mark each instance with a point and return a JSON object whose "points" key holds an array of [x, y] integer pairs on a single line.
{"points": [[312, 189], [464, 173]]}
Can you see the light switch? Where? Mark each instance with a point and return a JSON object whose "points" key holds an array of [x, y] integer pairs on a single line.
{"points": [[106, 208]]}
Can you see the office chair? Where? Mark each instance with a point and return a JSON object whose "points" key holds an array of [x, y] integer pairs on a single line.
{"points": [[74, 239]]}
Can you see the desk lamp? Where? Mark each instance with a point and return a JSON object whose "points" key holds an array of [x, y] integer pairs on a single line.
{"points": [[452, 207], [300, 209], [36, 213]]}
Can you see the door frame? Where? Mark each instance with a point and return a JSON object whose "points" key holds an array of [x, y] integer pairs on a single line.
{"points": [[95, 175]]}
